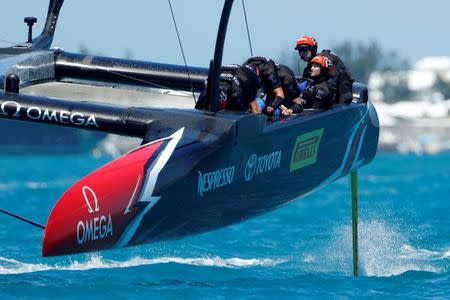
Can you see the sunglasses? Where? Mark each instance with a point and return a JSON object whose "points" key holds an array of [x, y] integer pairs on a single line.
{"points": [[303, 50]]}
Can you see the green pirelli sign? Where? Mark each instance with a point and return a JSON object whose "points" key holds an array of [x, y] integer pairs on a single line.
{"points": [[305, 149]]}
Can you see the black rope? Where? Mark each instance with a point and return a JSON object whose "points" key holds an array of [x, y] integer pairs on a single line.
{"points": [[140, 80], [8, 42], [22, 218], [182, 51], [248, 31]]}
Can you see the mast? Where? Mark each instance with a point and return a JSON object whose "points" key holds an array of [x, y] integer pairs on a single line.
{"points": [[45, 39], [215, 65]]}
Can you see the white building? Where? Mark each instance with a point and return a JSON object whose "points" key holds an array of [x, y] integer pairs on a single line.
{"points": [[420, 124], [419, 80]]}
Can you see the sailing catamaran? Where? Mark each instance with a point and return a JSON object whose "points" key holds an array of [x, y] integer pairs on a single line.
{"points": [[196, 170]]}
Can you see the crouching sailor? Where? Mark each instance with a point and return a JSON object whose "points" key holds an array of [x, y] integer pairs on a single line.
{"points": [[292, 102], [270, 82], [238, 87]]}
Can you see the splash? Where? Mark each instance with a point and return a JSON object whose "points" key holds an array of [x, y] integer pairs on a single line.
{"points": [[384, 250], [95, 261]]}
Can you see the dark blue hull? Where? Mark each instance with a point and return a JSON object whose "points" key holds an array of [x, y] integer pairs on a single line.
{"points": [[212, 172], [256, 172]]}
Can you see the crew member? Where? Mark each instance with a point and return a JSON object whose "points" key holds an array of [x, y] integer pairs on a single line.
{"points": [[319, 93], [292, 102], [238, 87], [340, 77], [270, 81]]}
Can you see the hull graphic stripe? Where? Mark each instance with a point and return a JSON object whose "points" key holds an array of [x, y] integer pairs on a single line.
{"points": [[127, 210], [149, 185]]}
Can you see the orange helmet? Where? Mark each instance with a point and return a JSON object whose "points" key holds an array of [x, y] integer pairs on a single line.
{"points": [[325, 64], [306, 41]]}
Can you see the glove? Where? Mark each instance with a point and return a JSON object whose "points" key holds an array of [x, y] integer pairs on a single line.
{"points": [[276, 102], [296, 108]]}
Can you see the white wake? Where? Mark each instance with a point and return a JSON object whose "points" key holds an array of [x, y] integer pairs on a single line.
{"points": [[96, 261]]}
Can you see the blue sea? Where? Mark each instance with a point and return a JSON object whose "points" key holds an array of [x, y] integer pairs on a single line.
{"points": [[302, 250]]}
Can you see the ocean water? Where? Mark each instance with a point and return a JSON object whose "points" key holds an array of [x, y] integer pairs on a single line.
{"points": [[302, 250]]}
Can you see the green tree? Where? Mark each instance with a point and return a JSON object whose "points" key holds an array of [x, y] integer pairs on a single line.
{"points": [[362, 59]]}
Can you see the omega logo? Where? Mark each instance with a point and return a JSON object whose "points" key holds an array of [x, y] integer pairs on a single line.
{"points": [[3, 110], [13, 109], [87, 191], [97, 227]]}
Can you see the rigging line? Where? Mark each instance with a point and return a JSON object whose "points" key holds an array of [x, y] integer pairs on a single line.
{"points": [[7, 42], [248, 31], [182, 51], [141, 80], [22, 218], [22, 45]]}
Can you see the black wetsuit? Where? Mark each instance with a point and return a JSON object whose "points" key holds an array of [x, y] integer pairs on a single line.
{"points": [[267, 72], [239, 84], [288, 83], [268, 75], [319, 94], [340, 77]]}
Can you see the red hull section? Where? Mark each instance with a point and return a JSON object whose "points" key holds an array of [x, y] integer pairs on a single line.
{"points": [[93, 213]]}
